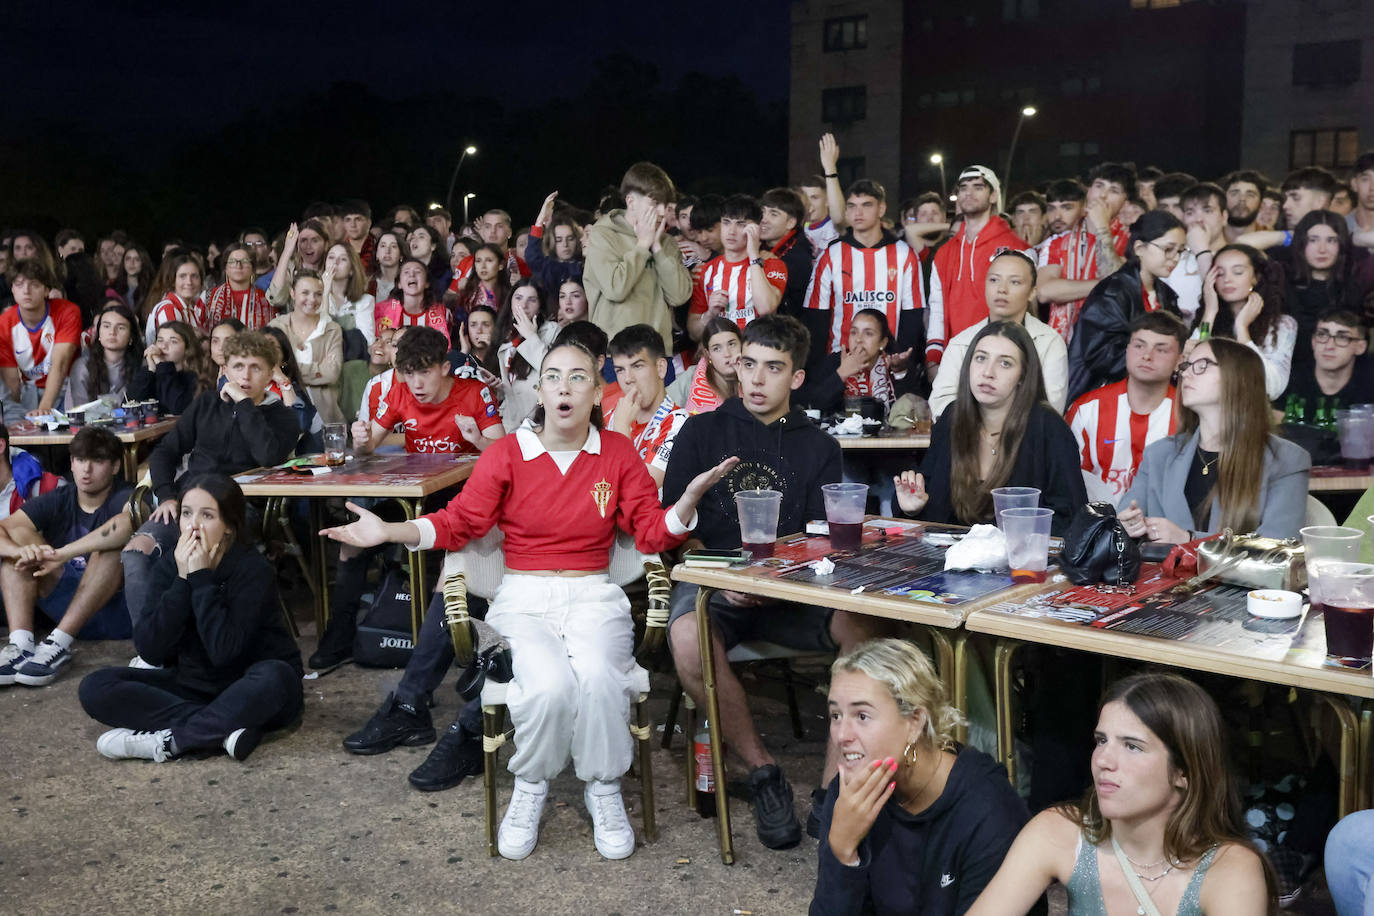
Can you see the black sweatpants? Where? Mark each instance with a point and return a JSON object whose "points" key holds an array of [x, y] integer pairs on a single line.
{"points": [[433, 656], [268, 696]]}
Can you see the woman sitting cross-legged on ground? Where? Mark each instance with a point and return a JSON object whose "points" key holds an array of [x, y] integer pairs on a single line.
{"points": [[1160, 831], [230, 670], [568, 626], [913, 823]]}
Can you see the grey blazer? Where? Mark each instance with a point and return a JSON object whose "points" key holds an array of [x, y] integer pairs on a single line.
{"points": [[1158, 487]]}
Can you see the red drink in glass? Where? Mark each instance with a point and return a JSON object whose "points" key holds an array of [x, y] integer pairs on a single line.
{"points": [[759, 551], [1349, 633], [846, 535], [1028, 575]]}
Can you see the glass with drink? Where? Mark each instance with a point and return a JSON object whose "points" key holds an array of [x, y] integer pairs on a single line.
{"points": [[1028, 542], [1342, 591], [758, 520], [335, 442], [1004, 498], [845, 504], [1354, 428]]}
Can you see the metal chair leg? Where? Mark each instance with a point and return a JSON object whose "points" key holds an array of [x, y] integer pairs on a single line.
{"points": [[643, 731], [790, 683], [670, 725], [492, 723]]}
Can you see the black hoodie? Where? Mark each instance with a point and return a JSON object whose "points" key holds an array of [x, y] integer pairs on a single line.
{"points": [[791, 455], [935, 863]]}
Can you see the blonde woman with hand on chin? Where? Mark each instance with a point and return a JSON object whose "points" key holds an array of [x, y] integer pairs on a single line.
{"points": [[913, 823]]}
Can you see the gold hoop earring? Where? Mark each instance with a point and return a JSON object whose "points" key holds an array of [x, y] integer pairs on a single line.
{"points": [[909, 755]]}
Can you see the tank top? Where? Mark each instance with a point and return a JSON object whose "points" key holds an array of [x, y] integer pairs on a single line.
{"points": [[1085, 886]]}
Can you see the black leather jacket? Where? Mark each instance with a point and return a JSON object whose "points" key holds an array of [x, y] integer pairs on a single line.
{"points": [[1097, 352]]}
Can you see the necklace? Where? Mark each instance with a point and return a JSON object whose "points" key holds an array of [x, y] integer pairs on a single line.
{"points": [[991, 439], [939, 762], [1207, 466]]}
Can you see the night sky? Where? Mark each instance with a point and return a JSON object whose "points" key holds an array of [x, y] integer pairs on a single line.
{"points": [[138, 68]]}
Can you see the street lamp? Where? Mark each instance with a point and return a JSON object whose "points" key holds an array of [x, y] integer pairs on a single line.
{"points": [[466, 197], [448, 198], [1028, 112], [937, 159]]}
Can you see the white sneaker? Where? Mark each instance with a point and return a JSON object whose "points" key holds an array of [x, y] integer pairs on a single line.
{"points": [[127, 744], [615, 838], [520, 827], [138, 662]]}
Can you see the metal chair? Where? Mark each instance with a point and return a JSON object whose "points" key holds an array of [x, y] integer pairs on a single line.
{"points": [[477, 569]]}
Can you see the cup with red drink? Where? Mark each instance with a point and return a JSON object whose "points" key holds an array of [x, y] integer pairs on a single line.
{"points": [[1341, 588], [758, 520], [845, 504]]}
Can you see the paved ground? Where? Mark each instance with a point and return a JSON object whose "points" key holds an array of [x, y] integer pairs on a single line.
{"points": [[304, 827]]}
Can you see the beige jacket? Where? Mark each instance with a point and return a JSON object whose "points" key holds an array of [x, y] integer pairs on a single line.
{"points": [[627, 285], [320, 357]]}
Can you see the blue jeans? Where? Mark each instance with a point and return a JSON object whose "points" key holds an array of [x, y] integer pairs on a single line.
{"points": [[1350, 864]]}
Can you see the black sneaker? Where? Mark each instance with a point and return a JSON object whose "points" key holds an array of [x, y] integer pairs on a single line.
{"points": [[813, 819], [336, 645], [775, 818], [393, 724], [457, 756]]}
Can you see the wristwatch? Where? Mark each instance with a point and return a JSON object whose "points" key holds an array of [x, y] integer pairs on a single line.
{"points": [[757, 262]]}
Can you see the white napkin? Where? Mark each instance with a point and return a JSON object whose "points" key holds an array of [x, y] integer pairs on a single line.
{"points": [[983, 548]]}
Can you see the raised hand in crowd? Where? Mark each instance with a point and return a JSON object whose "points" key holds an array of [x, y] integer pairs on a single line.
{"points": [[546, 211], [911, 492], [900, 362]]}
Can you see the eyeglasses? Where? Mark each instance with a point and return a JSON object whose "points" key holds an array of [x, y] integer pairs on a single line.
{"points": [[239, 262], [1198, 366], [576, 379], [1322, 335], [1172, 251], [255, 244]]}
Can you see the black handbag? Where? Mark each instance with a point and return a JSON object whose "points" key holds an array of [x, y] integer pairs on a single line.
{"points": [[1097, 548]]}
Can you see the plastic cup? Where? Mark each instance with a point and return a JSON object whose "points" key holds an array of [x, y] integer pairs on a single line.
{"points": [[335, 443], [1028, 542], [1356, 431], [758, 520], [1342, 590], [845, 504], [1004, 498]]}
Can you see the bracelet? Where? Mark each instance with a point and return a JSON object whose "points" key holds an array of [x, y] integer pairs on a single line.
{"points": [[832, 174]]}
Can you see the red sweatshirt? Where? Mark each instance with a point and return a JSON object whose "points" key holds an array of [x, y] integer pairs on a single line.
{"points": [[553, 520], [961, 268]]}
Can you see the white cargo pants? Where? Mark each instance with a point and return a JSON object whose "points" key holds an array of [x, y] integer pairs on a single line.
{"points": [[572, 644]]}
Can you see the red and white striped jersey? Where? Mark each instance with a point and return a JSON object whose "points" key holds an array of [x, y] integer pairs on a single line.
{"points": [[849, 277], [1075, 251], [735, 279], [174, 308], [1112, 438]]}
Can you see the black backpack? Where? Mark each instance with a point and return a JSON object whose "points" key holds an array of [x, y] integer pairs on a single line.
{"points": [[384, 639]]}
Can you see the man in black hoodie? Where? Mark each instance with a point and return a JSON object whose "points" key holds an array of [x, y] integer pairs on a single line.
{"points": [[779, 449]]}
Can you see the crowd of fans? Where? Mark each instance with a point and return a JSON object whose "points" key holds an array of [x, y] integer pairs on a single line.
{"points": [[1130, 336]]}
